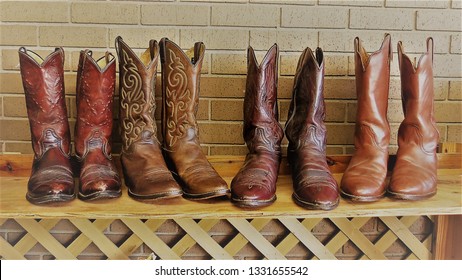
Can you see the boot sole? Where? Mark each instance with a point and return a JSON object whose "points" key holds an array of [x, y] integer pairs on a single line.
{"points": [[100, 195], [314, 206], [253, 203], [202, 196], [361, 198], [157, 196], [401, 196], [49, 199]]}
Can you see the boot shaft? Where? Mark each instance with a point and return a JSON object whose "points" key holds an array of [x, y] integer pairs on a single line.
{"points": [[94, 99], [137, 78], [417, 93], [180, 91], [43, 81], [372, 87], [261, 126], [306, 116]]}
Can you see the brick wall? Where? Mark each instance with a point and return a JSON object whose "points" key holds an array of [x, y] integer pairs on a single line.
{"points": [[227, 29]]}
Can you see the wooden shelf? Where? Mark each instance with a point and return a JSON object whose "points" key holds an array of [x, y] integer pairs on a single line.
{"points": [[15, 170]]}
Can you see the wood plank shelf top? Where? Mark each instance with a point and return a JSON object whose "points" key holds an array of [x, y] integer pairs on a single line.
{"points": [[15, 169]]}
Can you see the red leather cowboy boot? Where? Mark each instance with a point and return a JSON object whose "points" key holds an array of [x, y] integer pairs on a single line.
{"points": [[146, 174], [314, 186], [255, 183], [51, 179], [95, 89], [180, 94], [364, 178], [414, 174]]}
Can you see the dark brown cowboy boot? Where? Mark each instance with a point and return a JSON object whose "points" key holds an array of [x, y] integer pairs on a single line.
{"points": [[314, 186], [94, 97], [51, 179], [364, 178], [414, 174], [255, 183], [145, 171], [180, 93]]}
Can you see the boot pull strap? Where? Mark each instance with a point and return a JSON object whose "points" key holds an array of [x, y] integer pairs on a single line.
{"points": [[430, 46], [197, 51], [400, 52], [162, 49], [107, 56], [118, 41], [153, 46]]}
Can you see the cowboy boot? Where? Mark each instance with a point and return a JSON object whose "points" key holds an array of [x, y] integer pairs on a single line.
{"points": [[364, 178], [180, 94], [146, 174], [255, 183], [414, 174], [94, 96], [314, 186], [51, 178]]}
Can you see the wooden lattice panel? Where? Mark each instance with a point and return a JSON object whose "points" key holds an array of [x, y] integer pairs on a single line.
{"points": [[196, 233]]}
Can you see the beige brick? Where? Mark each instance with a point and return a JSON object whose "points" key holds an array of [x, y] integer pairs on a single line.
{"points": [[455, 90], [229, 64], [448, 20], [362, 3], [339, 88], [138, 37], [448, 112], [234, 150], [395, 111], [456, 43], [316, 17], [222, 87], [216, 39], [379, 18], [229, 133], [219, 1], [287, 40], [245, 15], [73, 36], [1, 110], [34, 11], [289, 2], [285, 87], [340, 134], [10, 59], [417, 3], [105, 12], [19, 147], [447, 66], [11, 83], [155, 14], [18, 129], [456, 4], [333, 150], [18, 35], [227, 110], [14, 106], [441, 89], [455, 133]]}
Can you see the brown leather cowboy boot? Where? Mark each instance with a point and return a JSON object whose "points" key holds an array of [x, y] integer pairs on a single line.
{"points": [[146, 174], [51, 179], [94, 96], [414, 174], [364, 178], [180, 94], [255, 183], [314, 186]]}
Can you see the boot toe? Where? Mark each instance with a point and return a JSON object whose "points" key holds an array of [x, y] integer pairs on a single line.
{"points": [[362, 188], [317, 196], [404, 186]]}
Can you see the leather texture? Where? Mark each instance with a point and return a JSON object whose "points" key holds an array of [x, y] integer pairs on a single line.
{"points": [[180, 94], [364, 178], [51, 178], [99, 178], [145, 171], [314, 186], [255, 183], [414, 174]]}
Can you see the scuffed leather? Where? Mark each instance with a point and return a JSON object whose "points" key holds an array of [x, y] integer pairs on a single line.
{"points": [[255, 183], [364, 178], [51, 178], [94, 99], [145, 171], [180, 93], [414, 174], [314, 186]]}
